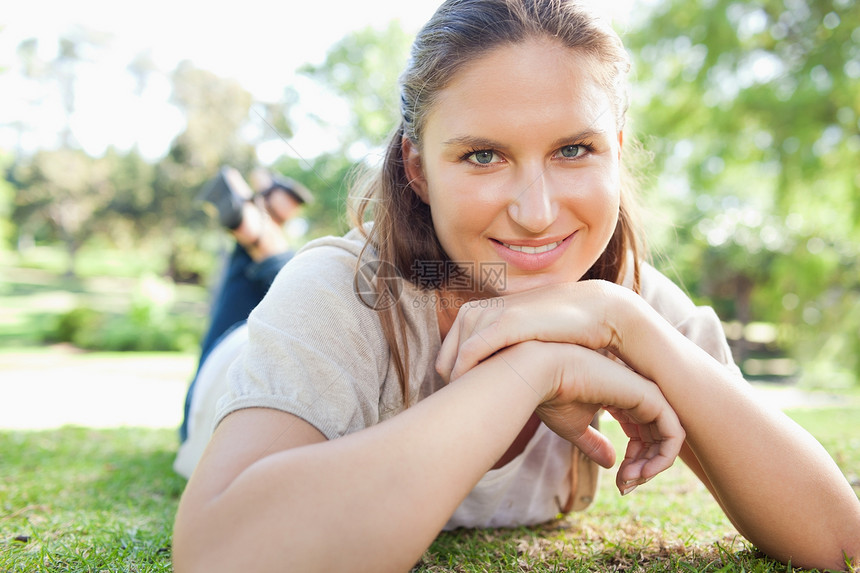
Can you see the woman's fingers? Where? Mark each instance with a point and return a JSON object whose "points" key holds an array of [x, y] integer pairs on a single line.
{"points": [[654, 431], [651, 449], [573, 423], [475, 336], [596, 446], [569, 312], [481, 330]]}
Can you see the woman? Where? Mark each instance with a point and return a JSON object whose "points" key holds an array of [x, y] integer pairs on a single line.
{"points": [[509, 156]]}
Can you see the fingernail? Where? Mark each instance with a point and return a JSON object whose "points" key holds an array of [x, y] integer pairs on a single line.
{"points": [[627, 490]]}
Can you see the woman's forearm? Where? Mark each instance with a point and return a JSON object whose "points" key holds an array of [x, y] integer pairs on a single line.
{"points": [[776, 483], [370, 501]]}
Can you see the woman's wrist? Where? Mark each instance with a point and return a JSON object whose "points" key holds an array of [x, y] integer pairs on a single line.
{"points": [[632, 325], [535, 367]]}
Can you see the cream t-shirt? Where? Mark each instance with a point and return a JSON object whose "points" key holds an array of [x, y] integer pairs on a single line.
{"points": [[314, 349]]}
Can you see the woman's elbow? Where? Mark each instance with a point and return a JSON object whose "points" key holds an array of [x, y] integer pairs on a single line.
{"points": [[189, 531], [200, 536]]}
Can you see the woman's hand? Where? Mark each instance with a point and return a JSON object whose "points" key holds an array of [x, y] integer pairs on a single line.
{"points": [[580, 382], [578, 313], [732, 438]]}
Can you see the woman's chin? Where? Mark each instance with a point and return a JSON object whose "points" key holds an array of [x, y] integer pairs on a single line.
{"points": [[522, 283]]}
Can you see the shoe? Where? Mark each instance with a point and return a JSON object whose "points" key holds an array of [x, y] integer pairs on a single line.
{"points": [[227, 192]]}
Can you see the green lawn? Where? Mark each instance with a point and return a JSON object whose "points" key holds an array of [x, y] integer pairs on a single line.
{"points": [[34, 296], [77, 499]]}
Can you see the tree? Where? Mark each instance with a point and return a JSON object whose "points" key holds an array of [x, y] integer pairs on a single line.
{"points": [[750, 112], [363, 69], [216, 111], [60, 191]]}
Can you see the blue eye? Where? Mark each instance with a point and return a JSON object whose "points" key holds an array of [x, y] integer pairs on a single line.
{"points": [[484, 157], [572, 151]]}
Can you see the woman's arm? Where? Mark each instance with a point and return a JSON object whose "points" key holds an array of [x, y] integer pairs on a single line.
{"points": [[774, 481], [270, 495]]}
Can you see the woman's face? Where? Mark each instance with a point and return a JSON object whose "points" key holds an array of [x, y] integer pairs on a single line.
{"points": [[519, 163]]}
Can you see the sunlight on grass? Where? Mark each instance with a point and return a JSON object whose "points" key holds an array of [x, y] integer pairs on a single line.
{"points": [[79, 499], [671, 524]]}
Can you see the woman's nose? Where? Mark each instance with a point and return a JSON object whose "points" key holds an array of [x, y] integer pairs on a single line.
{"points": [[532, 206]]}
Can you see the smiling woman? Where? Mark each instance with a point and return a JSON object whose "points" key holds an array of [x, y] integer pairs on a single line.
{"points": [[464, 402], [529, 180]]}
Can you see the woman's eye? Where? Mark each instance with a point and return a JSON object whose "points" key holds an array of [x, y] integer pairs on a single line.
{"points": [[572, 151], [483, 157]]}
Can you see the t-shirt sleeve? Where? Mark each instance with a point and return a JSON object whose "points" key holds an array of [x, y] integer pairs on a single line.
{"points": [[314, 350], [698, 323]]}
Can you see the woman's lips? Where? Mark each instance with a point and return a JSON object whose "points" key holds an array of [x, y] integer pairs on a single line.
{"points": [[532, 257], [532, 250]]}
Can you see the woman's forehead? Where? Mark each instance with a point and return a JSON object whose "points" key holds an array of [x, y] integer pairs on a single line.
{"points": [[520, 86]]}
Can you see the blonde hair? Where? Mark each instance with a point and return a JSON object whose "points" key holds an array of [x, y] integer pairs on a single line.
{"points": [[458, 33]]}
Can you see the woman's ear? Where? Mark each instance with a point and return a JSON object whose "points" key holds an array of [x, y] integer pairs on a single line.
{"points": [[414, 171], [620, 142]]}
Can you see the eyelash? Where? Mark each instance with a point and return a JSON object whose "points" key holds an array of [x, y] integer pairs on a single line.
{"points": [[586, 147]]}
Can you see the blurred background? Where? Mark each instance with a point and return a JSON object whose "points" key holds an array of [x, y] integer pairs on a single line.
{"points": [[113, 115]]}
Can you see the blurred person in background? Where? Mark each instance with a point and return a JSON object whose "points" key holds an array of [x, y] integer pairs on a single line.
{"points": [[255, 215]]}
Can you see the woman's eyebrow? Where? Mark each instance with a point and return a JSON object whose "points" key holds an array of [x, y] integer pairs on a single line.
{"points": [[476, 142], [472, 141], [586, 134]]}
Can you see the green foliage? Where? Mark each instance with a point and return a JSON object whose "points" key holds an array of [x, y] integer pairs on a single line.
{"points": [[116, 302], [7, 199], [148, 325], [140, 330], [216, 111], [64, 195], [328, 176], [60, 195], [71, 326], [751, 113], [123, 200], [363, 68]]}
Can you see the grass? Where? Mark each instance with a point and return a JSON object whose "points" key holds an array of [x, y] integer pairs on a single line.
{"points": [[77, 499], [84, 500], [34, 293], [670, 525]]}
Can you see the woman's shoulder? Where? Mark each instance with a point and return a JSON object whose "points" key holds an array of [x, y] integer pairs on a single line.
{"points": [[698, 323], [328, 261], [663, 294], [317, 281], [324, 250], [335, 279]]}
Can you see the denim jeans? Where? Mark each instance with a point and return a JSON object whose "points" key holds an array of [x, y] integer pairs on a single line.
{"points": [[242, 287]]}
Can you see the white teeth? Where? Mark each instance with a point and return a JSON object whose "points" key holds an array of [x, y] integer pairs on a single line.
{"points": [[533, 250]]}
